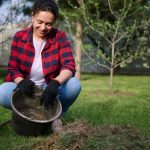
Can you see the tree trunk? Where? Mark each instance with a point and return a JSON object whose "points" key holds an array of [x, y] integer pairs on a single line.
{"points": [[78, 49], [112, 68], [111, 81]]}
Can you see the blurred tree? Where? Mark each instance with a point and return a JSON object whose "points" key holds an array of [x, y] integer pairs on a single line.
{"points": [[1, 2], [71, 12]]}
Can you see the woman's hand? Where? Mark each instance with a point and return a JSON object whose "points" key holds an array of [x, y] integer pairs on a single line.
{"points": [[50, 93], [26, 86]]}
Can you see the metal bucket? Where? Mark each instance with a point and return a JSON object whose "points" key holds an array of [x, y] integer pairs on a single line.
{"points": [[29, 118]]}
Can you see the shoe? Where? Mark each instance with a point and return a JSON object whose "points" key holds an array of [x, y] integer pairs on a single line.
{"points": [[56, 126]]}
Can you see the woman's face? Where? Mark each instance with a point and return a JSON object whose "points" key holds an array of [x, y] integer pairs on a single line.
{"points": [[42, 23]]}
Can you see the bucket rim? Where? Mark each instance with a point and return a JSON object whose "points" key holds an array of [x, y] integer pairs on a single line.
{"points": [[34, 120]]}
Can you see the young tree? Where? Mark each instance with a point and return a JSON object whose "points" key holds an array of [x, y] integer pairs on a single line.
{"points": [[121, 36]]}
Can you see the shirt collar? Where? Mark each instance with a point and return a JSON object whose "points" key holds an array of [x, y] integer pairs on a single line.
{"points": [[29, 34]]}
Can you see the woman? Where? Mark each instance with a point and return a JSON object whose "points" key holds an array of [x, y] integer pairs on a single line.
{"points": [[41, 55]]}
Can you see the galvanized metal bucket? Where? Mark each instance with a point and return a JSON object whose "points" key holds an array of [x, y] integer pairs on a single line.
{"points": [[29, 118]]}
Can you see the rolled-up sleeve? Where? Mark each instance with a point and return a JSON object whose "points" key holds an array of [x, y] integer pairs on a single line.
{"points": [[65, 52]]}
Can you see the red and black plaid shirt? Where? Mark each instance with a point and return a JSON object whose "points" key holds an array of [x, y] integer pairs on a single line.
{"points": [[56, 55]]}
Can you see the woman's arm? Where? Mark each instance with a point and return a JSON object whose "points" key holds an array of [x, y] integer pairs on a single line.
{"points": [[63, 76]]}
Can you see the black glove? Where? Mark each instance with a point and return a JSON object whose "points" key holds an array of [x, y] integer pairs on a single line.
{"points": [[26, 86], [49, 94]]}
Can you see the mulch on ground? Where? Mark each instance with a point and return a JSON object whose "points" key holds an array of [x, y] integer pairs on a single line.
{"points": [[79, 135]]}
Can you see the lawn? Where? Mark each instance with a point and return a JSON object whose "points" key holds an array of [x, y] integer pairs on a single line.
{"points": [[129, 106]]}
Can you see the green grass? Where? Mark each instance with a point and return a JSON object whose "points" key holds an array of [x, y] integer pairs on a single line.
{"points": [[131, 107], [98, 107]]}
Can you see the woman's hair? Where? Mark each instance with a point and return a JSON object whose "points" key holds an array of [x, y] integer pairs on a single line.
{"points": [[45, 5]]}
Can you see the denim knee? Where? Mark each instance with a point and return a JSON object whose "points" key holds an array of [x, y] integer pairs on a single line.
{"points": [[6, 90], [69, 93]]}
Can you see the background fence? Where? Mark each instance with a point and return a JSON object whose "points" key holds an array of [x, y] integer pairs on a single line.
{"points": [[136, 67], [5, 44]]}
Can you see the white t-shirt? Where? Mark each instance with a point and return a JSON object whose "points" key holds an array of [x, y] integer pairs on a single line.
{"points": [[36, 74]]}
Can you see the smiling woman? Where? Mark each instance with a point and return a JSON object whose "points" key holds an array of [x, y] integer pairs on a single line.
{"points": [[41, 55], [42, 24], [43, 19]]}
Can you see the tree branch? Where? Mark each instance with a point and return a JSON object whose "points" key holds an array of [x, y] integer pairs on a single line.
{"points": [[93, 60], [110, 8], [90, 26]]}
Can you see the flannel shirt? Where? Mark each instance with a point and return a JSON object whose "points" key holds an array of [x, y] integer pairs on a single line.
{"points": [[56, 55]]}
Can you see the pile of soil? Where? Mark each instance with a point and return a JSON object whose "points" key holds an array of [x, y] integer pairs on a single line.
{"points": [[79, 135]]}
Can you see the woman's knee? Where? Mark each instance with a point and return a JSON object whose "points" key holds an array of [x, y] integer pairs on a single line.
{"points": [[7, 86], [73, 85], [70, 90], [69, 93], [6, 90]]}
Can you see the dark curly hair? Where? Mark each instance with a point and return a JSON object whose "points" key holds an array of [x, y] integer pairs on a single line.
{"points": [[45, 5]]}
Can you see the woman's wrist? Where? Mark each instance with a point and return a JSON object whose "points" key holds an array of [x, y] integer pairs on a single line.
{"points": [[18, 79]]}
